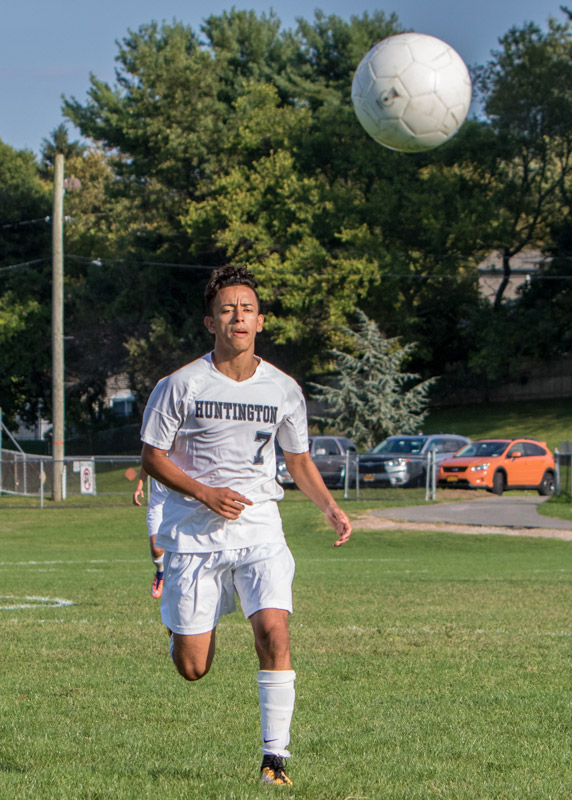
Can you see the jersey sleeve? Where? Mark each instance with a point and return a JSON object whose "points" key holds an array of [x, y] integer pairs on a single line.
{"points": [[164, 413], [292, 434]]}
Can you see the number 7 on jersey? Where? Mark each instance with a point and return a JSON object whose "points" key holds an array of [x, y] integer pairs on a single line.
{"points": [[264, 437]]}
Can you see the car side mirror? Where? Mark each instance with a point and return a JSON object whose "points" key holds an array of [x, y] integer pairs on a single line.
{"points": [[516, 454], [320, 452]]}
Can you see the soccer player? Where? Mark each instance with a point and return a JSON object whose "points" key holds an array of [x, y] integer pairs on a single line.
{"points": [[154, 517], [208, 435]]}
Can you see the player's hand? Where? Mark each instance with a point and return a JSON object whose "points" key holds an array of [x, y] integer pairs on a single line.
{"points": [[226, 502], [138, 495], [340, 522]]}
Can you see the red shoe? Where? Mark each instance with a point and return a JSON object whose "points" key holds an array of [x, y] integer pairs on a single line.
{"points": [[157, 585]]}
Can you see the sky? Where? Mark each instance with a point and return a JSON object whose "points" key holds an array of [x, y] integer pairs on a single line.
{"points": [[49, 49]]}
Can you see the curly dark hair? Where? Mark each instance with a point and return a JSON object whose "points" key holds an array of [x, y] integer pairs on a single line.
{"points": [[228, 276]]}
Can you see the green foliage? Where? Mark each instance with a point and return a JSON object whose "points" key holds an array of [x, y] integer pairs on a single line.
{"points": [[238, 143], [25, 292], [528, 101], [24, 201], [59, 143], [372, 397], [24, 357]]}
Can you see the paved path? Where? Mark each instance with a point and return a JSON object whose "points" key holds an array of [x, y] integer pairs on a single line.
{"points": [[505, 512]]}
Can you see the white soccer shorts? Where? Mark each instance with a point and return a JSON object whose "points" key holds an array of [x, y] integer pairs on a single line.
{"points": [[199, 588]]}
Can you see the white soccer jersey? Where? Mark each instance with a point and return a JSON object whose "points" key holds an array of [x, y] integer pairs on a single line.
{"points": [[221, 433]]}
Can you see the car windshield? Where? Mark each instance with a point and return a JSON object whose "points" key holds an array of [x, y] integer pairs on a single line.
{"points": [[482, 450], [399, 444]]}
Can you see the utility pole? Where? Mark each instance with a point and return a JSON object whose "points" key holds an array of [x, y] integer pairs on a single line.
{"points": [[58, 413]]}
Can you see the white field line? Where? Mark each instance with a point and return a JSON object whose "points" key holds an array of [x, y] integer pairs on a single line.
{"points": [[90, 561], [32, 602], [452, 632]]}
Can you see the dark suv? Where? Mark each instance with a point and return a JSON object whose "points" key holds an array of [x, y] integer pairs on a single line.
{"points": [[402, 460], [328, 454]]}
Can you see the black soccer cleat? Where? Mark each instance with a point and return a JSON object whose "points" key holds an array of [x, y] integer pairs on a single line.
{"points": [[272, 771]]}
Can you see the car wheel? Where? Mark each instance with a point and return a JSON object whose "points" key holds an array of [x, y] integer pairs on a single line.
{"points": [[498, 483], [546, 484]]}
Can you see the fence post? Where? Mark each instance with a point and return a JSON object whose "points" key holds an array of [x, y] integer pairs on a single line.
{"points": [[347, 477], [430, 476], [357, 476]]}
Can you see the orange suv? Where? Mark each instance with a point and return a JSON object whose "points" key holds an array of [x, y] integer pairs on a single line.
{"points": [[499, 464]]}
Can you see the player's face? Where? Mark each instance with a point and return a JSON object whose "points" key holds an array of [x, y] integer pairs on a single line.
{"points": [[235, 320]]}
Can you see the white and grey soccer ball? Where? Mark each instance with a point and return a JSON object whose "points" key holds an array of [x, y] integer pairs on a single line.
{"points": [[411, 92]]}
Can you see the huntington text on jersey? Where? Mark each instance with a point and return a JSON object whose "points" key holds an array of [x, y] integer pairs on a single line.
{"points": [[247, 412]]}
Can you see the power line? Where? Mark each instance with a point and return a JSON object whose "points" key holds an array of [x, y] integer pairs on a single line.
{"points": [[102, 261], [99, 262], [25, 222], [25, 264], [48, 219]]}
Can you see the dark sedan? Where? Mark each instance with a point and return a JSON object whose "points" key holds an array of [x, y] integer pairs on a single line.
{"points": [[328, 454]]}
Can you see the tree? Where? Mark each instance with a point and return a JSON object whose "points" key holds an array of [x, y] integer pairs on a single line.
{"points": [[240, 144], [203, 137], [25, 288], [527, 94], [59, 143], [25, 206], [372, 397]]}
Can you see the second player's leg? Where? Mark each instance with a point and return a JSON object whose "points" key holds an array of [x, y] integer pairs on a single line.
{"points": [[157, 553], [157, 556]]}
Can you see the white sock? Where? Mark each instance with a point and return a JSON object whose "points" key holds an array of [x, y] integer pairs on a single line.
{"points": [[159, 562], [276, 696]]}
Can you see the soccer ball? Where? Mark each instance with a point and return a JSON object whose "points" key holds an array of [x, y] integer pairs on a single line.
{"points": [[411, 92]]}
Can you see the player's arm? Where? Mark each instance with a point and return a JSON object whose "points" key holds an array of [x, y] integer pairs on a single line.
{"points": [[225, 502], [308, 480], [139, 492]]}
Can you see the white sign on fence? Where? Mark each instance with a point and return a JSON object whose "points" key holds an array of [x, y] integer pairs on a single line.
{"points": [[87, 477]]}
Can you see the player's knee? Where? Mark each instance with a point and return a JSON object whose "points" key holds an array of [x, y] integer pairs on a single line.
{"points": [[190, 671]]}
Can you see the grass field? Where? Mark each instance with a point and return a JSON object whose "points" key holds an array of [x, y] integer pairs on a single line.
{"points": [[429, 666]]}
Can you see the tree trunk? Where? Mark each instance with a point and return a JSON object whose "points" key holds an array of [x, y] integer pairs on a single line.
{"points": [[505, 279]]}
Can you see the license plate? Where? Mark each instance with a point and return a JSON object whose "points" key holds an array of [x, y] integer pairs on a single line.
{"points": [[369, 477], [452, 478]]}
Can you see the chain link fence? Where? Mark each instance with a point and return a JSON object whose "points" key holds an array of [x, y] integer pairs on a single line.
{"points": [[366, 476], [563, 464], [82, 477]]}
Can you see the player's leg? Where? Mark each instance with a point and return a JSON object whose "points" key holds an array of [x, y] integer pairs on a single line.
{"points": [[157, 556], [272, 638], [154, 518], [276, 693], [198, 590], [264, 585], [193, 654]]}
